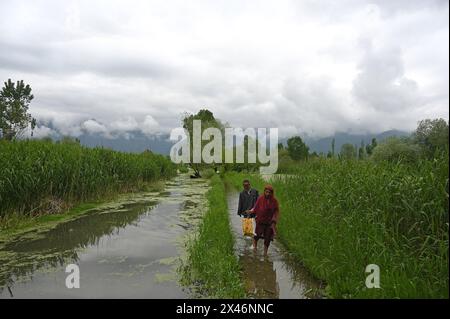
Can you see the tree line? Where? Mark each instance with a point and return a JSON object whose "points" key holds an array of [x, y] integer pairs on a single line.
{"points": [[430, 137]]}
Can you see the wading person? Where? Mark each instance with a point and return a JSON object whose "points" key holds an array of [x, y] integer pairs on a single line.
{"points": [[267, 213], [247, 199]]}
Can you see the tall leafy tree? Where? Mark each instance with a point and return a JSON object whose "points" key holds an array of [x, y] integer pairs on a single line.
{"points": [[370, 147], [432, 135], [297, 149], [207, 120], [362, 151], [396, 149], [15, 99], [348, 151], [333, 143]]}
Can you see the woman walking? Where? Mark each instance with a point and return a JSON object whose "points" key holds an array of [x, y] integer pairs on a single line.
{"points": [[267, 213]]}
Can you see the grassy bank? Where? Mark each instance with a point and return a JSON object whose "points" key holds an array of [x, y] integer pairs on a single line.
{"points": [[211, 264], [339, 216], [41, 177]]}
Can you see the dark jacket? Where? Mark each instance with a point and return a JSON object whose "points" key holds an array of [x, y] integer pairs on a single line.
{"points": [[247, 200]]}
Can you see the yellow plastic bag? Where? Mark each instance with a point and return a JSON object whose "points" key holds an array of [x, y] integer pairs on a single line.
{"points": [[247, 227]]}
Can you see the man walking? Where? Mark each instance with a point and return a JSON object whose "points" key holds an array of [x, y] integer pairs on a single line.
{"points": [[247, 199]]}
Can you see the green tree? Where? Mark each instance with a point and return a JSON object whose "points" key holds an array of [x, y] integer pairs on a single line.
{"points": [[333, 143], [370, 147], [285, 162], [314, 154], [15, 99], [348, 151], [396, 149], [297, 149], [207, 121], [362, 151], [432, 135]]}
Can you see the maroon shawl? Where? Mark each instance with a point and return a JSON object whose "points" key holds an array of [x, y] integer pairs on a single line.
{"points": [[266, 209]]}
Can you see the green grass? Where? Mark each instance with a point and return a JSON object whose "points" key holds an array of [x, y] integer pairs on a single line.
{"points": [[211, 265], [39, 177], [339, 216]]}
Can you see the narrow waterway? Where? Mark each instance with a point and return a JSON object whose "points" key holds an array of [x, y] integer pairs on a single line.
{"points": [[127, 249], [276, 276]]}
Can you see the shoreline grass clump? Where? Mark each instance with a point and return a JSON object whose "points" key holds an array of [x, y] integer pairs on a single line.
{"points": [[39, 177], [337, 217], [211, 265]]}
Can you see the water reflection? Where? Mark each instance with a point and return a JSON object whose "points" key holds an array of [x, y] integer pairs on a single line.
{"points": [[124, 250], [260, 277], [60, 246]]}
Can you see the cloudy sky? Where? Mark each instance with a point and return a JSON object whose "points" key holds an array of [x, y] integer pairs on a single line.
{"points": [[313, 67]]}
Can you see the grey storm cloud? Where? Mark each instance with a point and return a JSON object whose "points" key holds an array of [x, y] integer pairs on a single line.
{"points": [[81, 57], [306, 67], [381, 83]]}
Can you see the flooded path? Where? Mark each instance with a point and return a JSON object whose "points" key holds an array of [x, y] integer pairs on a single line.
{"points": [[125, 250], [278, 275]]}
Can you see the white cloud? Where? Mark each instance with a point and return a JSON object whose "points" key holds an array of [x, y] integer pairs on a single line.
{"points": [[124, 125], [150, 126], [312, 67], [40, 132], [93, 127]]}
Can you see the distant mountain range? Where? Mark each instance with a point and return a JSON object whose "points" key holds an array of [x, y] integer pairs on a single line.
{"points": [[138, 142]]}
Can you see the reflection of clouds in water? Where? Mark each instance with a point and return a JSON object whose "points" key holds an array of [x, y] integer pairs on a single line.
{"points": [[20, 267], [61, 245], [146, 243], [302, 279], [260, 277]]}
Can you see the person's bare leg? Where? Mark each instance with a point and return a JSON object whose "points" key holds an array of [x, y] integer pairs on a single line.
{"points": [[255, 244], [266, 248]]}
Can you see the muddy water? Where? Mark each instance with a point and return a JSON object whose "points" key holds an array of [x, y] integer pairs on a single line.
{"points": [[128, 249], [276, 276]]}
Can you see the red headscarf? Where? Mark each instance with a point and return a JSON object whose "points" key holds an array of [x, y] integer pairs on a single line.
{"points": [[266, 209], [270, 188]]}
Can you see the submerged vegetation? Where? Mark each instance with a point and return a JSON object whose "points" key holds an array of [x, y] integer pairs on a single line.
{"points": [[211, 264], [39, 177]]}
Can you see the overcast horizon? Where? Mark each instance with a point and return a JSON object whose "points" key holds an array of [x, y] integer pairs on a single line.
{"points": [[306, 67]]}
